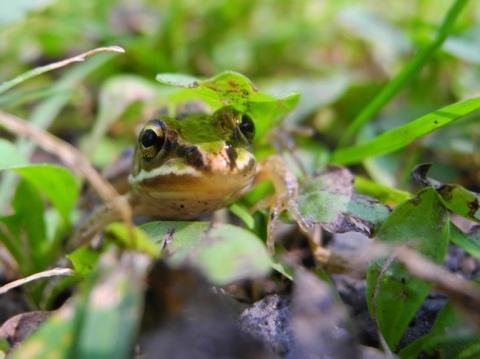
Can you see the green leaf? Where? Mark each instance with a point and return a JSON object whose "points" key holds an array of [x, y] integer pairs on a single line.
{"points": [[102, 320], [180, 80], [403, 136], [29, 227], [393, 299], [450, 337], [469, 243], [384, 194], [24, 233], [279, 265], [242, 213], [58, 184], [4, 347], [44, 113], [234, 89], [10, 157], [110, 321], [136, 239], [223, 253], [29, 207], [84, 259], [461, 201], [10, 237]]}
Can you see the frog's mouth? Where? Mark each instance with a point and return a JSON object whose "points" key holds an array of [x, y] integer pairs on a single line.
{"points": [[218, 179]]}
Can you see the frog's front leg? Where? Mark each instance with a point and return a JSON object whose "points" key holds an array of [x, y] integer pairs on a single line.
{"points": [[275, 169], [100, 218]]}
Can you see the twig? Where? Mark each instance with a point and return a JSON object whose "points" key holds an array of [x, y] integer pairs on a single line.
{"points": [[45, 274], [464, 293]]}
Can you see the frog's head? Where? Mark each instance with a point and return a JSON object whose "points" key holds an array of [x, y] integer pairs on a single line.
{"points": [[209, 154]]}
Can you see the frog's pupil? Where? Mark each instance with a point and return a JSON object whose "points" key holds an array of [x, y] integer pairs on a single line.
{"points": [[149, 138], [247, 127]]}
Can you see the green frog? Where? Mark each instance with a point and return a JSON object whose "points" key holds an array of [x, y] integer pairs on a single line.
{"points": [[183, 168]]}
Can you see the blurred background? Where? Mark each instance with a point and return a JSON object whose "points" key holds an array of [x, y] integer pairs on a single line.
{"points": [[338, 54]]}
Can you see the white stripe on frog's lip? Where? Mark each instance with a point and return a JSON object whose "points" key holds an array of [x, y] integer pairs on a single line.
{"points": [[164, 171]]}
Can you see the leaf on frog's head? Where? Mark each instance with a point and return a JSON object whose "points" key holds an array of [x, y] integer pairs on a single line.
{"points": [[330, 200], [233, 89]]}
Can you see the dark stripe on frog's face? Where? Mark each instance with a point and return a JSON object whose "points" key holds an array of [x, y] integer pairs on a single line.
{"points": [[232, 154], [193, 157]]}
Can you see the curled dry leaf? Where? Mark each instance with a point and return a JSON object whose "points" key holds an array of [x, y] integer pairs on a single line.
{"points": [[21, 326], [330, 200]]}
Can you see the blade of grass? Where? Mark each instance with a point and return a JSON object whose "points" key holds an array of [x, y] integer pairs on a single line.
{"points": [[413, 68], [405, 135], [13, 98]]}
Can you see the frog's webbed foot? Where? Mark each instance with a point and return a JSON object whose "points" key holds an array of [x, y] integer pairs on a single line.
{"points": [[286, 190], [101, 217]]}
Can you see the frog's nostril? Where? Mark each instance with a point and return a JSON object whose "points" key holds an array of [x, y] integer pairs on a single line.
{"points": [[194, 157]]}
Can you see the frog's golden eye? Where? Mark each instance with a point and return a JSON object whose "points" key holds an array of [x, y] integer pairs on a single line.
{"points": [[247, 127], [152, 138]]}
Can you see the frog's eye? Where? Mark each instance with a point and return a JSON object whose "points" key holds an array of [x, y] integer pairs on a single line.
{"points": [[152, 139], [247, 127]]}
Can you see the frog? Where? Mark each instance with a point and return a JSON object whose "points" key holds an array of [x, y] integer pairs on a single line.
{"points": [[187, 166]]}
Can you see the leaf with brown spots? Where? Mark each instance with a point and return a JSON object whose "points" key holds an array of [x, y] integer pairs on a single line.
{"points": [[456, 198], [393, 294]]}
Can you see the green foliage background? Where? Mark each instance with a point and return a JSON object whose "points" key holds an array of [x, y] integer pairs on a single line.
{"points": [[420, 56], [338, 53]]}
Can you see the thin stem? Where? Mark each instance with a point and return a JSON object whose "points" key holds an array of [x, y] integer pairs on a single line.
{"points": [[40, 70]]}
